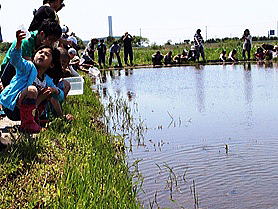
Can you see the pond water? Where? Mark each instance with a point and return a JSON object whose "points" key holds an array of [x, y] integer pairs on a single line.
{"points": [[212, 134]]}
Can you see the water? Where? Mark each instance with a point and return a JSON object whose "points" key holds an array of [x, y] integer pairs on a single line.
{"points": [[192, 114]]}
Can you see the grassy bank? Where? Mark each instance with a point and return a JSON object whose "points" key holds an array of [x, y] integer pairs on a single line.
{"points": [[70, 165]]}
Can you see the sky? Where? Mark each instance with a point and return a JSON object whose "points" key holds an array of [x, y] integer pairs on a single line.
{"points": [[159, 21]]}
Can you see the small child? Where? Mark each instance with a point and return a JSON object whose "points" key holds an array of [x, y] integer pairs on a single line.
{"points": [[168, 58], [74, 63], [222, 56], [192, 54], [184, 56], [232, 56], [30, 87], [259, 55], [157, 58]]}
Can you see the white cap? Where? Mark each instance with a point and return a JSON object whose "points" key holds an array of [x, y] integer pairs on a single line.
{"points": [[65, 29], [72, 51], [73, 39]]}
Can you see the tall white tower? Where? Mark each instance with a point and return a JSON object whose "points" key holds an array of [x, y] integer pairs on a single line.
{"points": [[1, 39], [110, 25]]}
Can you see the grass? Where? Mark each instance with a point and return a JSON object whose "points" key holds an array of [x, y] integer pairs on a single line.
{"points": [[1, 57], [70, 165]]}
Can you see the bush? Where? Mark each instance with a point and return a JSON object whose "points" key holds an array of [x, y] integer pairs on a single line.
{"points": [[4, 46]]}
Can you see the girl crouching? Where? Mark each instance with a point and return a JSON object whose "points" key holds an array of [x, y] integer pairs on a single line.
{"points": [[23, 99]]}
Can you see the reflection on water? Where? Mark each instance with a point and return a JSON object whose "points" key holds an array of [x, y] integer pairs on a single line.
{"points": [[191, 114]]}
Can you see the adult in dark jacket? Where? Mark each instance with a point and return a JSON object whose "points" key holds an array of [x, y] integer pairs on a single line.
{"points": [[101, 48], [127, 39]]}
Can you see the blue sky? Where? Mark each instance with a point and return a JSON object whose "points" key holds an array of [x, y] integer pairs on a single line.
{"points": [[159, 21]]}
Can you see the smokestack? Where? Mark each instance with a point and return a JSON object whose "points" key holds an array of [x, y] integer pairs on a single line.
{"points": [[110, 26], [1, 39]]}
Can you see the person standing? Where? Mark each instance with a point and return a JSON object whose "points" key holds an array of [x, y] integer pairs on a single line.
{"points": [[47, 11], [101, 48], [247, 44], [198, 43], [127, 39]]}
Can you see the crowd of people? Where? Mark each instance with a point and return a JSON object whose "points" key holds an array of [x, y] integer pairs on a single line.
{"points": [[95, 45], [264, 52]]}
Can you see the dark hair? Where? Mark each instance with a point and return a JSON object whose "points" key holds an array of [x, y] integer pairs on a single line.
{"points": [[55, 72], [198, 31], [55, 58], [51, 28], [48, 1]]}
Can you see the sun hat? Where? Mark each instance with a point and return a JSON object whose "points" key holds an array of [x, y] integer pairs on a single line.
{"points": [[73, 39]]}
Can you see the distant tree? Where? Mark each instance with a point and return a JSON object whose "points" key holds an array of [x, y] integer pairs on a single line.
{"points": [[140, 41], [168, 42]]}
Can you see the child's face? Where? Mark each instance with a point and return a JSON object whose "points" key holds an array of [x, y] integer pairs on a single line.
{"points": [[71, 55], [43, 58]]}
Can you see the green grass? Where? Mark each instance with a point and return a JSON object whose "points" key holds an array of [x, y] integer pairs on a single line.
{"points": [[70, 165], [1, 57]]}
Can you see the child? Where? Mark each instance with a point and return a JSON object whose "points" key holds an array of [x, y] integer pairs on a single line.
{"points": [[30, 87], [259, 55], [74, 63], [184, 56], [192, 55], [115, 49], [232, 56], [168, 60], [222, 56], [157, 58], [48, 33]]}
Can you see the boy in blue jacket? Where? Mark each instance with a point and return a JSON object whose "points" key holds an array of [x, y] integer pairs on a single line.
{"points": [[30, 87]]}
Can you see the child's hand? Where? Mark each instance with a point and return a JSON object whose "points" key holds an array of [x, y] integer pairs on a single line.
{"points": [[20, 35]]}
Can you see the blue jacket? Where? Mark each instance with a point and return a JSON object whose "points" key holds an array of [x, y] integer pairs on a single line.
{"points": [[25, 76]]}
